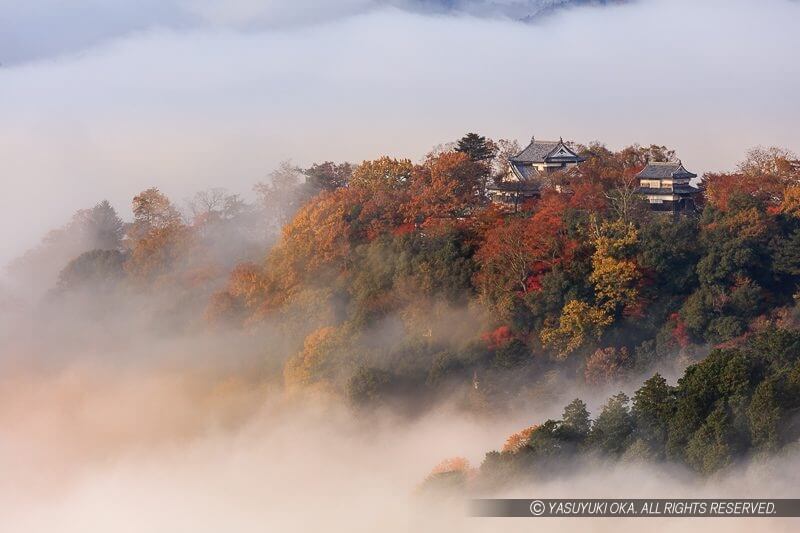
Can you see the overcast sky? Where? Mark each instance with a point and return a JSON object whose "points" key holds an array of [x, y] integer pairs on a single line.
{"points": [[101, 99]]}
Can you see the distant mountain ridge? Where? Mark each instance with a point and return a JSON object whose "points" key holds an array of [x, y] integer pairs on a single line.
{"points": [[522, 10], [25, 33]]}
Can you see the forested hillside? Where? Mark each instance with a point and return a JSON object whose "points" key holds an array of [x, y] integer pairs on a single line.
{"points": [[737, 404], [398, 283]]}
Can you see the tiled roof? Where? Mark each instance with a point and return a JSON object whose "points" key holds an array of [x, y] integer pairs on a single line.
{"points": [[540, 152], [524, 172], [665, 171], [535, 152]]}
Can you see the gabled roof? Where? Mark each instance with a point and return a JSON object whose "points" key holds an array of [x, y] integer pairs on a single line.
{"points": [[546, 151], [672, 169]]}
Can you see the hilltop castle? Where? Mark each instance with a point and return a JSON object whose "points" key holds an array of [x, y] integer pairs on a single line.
{"points": [[527, 170], [666, 186]]}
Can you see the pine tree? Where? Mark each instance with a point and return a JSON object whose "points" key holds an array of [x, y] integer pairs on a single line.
{"points": [[476, 147], [764, 416], [612, 430], [653, 405], [576, 418]]}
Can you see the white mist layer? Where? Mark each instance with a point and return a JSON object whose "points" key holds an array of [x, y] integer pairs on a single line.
{"points": [[176, 446]]}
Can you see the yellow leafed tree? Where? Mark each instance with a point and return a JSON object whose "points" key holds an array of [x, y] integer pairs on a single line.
{"points": [[615, 275], [579, 321], [312, 365]]}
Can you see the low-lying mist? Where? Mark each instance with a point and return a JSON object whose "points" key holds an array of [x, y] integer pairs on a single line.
{"points": [[107, 426], [179, 434], [85, 449]]}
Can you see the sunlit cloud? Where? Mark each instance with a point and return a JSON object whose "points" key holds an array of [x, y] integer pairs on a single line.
{"points": [[192, 106]]}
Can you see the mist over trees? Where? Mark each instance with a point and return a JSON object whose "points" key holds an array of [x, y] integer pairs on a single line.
{"points": [[737, 403], [398, 283], [98, 227]]}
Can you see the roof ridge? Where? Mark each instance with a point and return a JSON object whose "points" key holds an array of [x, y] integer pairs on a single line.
{"points": [[558, 144], [534, 141], [538, 151]]}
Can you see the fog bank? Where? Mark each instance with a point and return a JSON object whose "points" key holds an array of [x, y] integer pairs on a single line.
{"points": [[106, 425], [164, 452]]}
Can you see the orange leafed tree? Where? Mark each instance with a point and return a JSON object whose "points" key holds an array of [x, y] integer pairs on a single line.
{"points": [[317, 244], [766, 174], [376, 197], [313, 364], [720, 189], [518, 440], [152, 210], [450, 474], [318, 234], [159, 239], [453, 464], [790, 205], [445, 186], [323, 233], [383, 173], [588, 197]]}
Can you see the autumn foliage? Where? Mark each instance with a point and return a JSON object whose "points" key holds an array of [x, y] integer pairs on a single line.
{"points": [[607, 365], [400, 284], [444, 187], [454, 464], [497, 338], [516, 441], [519, 250], [314, 364], [583, 279]]}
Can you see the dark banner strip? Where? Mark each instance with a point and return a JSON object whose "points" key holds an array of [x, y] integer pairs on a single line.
{"points": [[564, 508]]}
